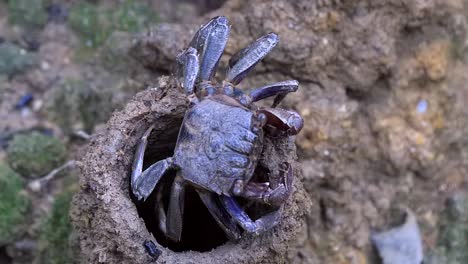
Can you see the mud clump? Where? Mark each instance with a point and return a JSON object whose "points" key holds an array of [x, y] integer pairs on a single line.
{"points": [[106, 217], [34, 154]]}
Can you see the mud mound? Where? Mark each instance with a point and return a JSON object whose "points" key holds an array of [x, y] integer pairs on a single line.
{"points": [[110, 228]]}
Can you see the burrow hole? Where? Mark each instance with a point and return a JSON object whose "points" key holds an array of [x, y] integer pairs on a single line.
{"points": [[4, 258], [200, 231]]}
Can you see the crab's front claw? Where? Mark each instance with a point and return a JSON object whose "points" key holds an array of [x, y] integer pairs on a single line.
{"points": [[259, 192], [282, 122], [258, 226], [262, 191], [281, 193]]}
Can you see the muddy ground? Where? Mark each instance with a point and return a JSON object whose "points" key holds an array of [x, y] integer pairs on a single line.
{"points": [[383, 88]]}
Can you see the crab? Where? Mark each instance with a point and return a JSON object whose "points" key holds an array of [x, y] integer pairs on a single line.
{"points": [[221, 138]]}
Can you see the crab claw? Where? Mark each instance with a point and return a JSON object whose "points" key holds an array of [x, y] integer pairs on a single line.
{"points": [[263, 192], [281, 193], [283, 121]]}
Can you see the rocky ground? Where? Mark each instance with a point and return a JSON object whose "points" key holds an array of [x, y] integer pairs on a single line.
{"points": [[383, 92]]}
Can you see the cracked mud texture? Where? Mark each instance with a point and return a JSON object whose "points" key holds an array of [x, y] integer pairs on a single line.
{"points": [[383, 89], [109, 226]]}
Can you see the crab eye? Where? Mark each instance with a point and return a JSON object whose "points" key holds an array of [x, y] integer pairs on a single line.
{"points": [[193, 100], [228, 90], [258, 121], [262, 119], [245, 100]]}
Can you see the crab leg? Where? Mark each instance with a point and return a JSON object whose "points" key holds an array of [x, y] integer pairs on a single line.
{"points": [[279, 89], [219, 214], [264, 223], [160, 211], [245, 60], [188, 66], [143, 183], [176, 209], [210, 41]]}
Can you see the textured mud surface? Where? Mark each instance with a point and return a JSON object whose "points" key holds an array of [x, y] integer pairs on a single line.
{"points": [[382, 91]]}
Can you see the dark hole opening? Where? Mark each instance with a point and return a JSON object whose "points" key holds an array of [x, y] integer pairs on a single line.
{"points": [[4, 258], [200, 231]]}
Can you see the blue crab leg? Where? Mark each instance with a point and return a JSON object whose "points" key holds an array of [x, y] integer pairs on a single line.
{"points": [[243, 61], [188, 67], [143, 183], [258, 226], [220, 215], [279, 89], [176, 209], [210, 41]]}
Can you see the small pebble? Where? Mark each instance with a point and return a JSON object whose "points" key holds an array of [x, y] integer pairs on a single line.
{"points": [[422, 106], [24, 101], [25, 112], [37, 105], [402, 244], [35, 186], [151, 249], [45, 65]]}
